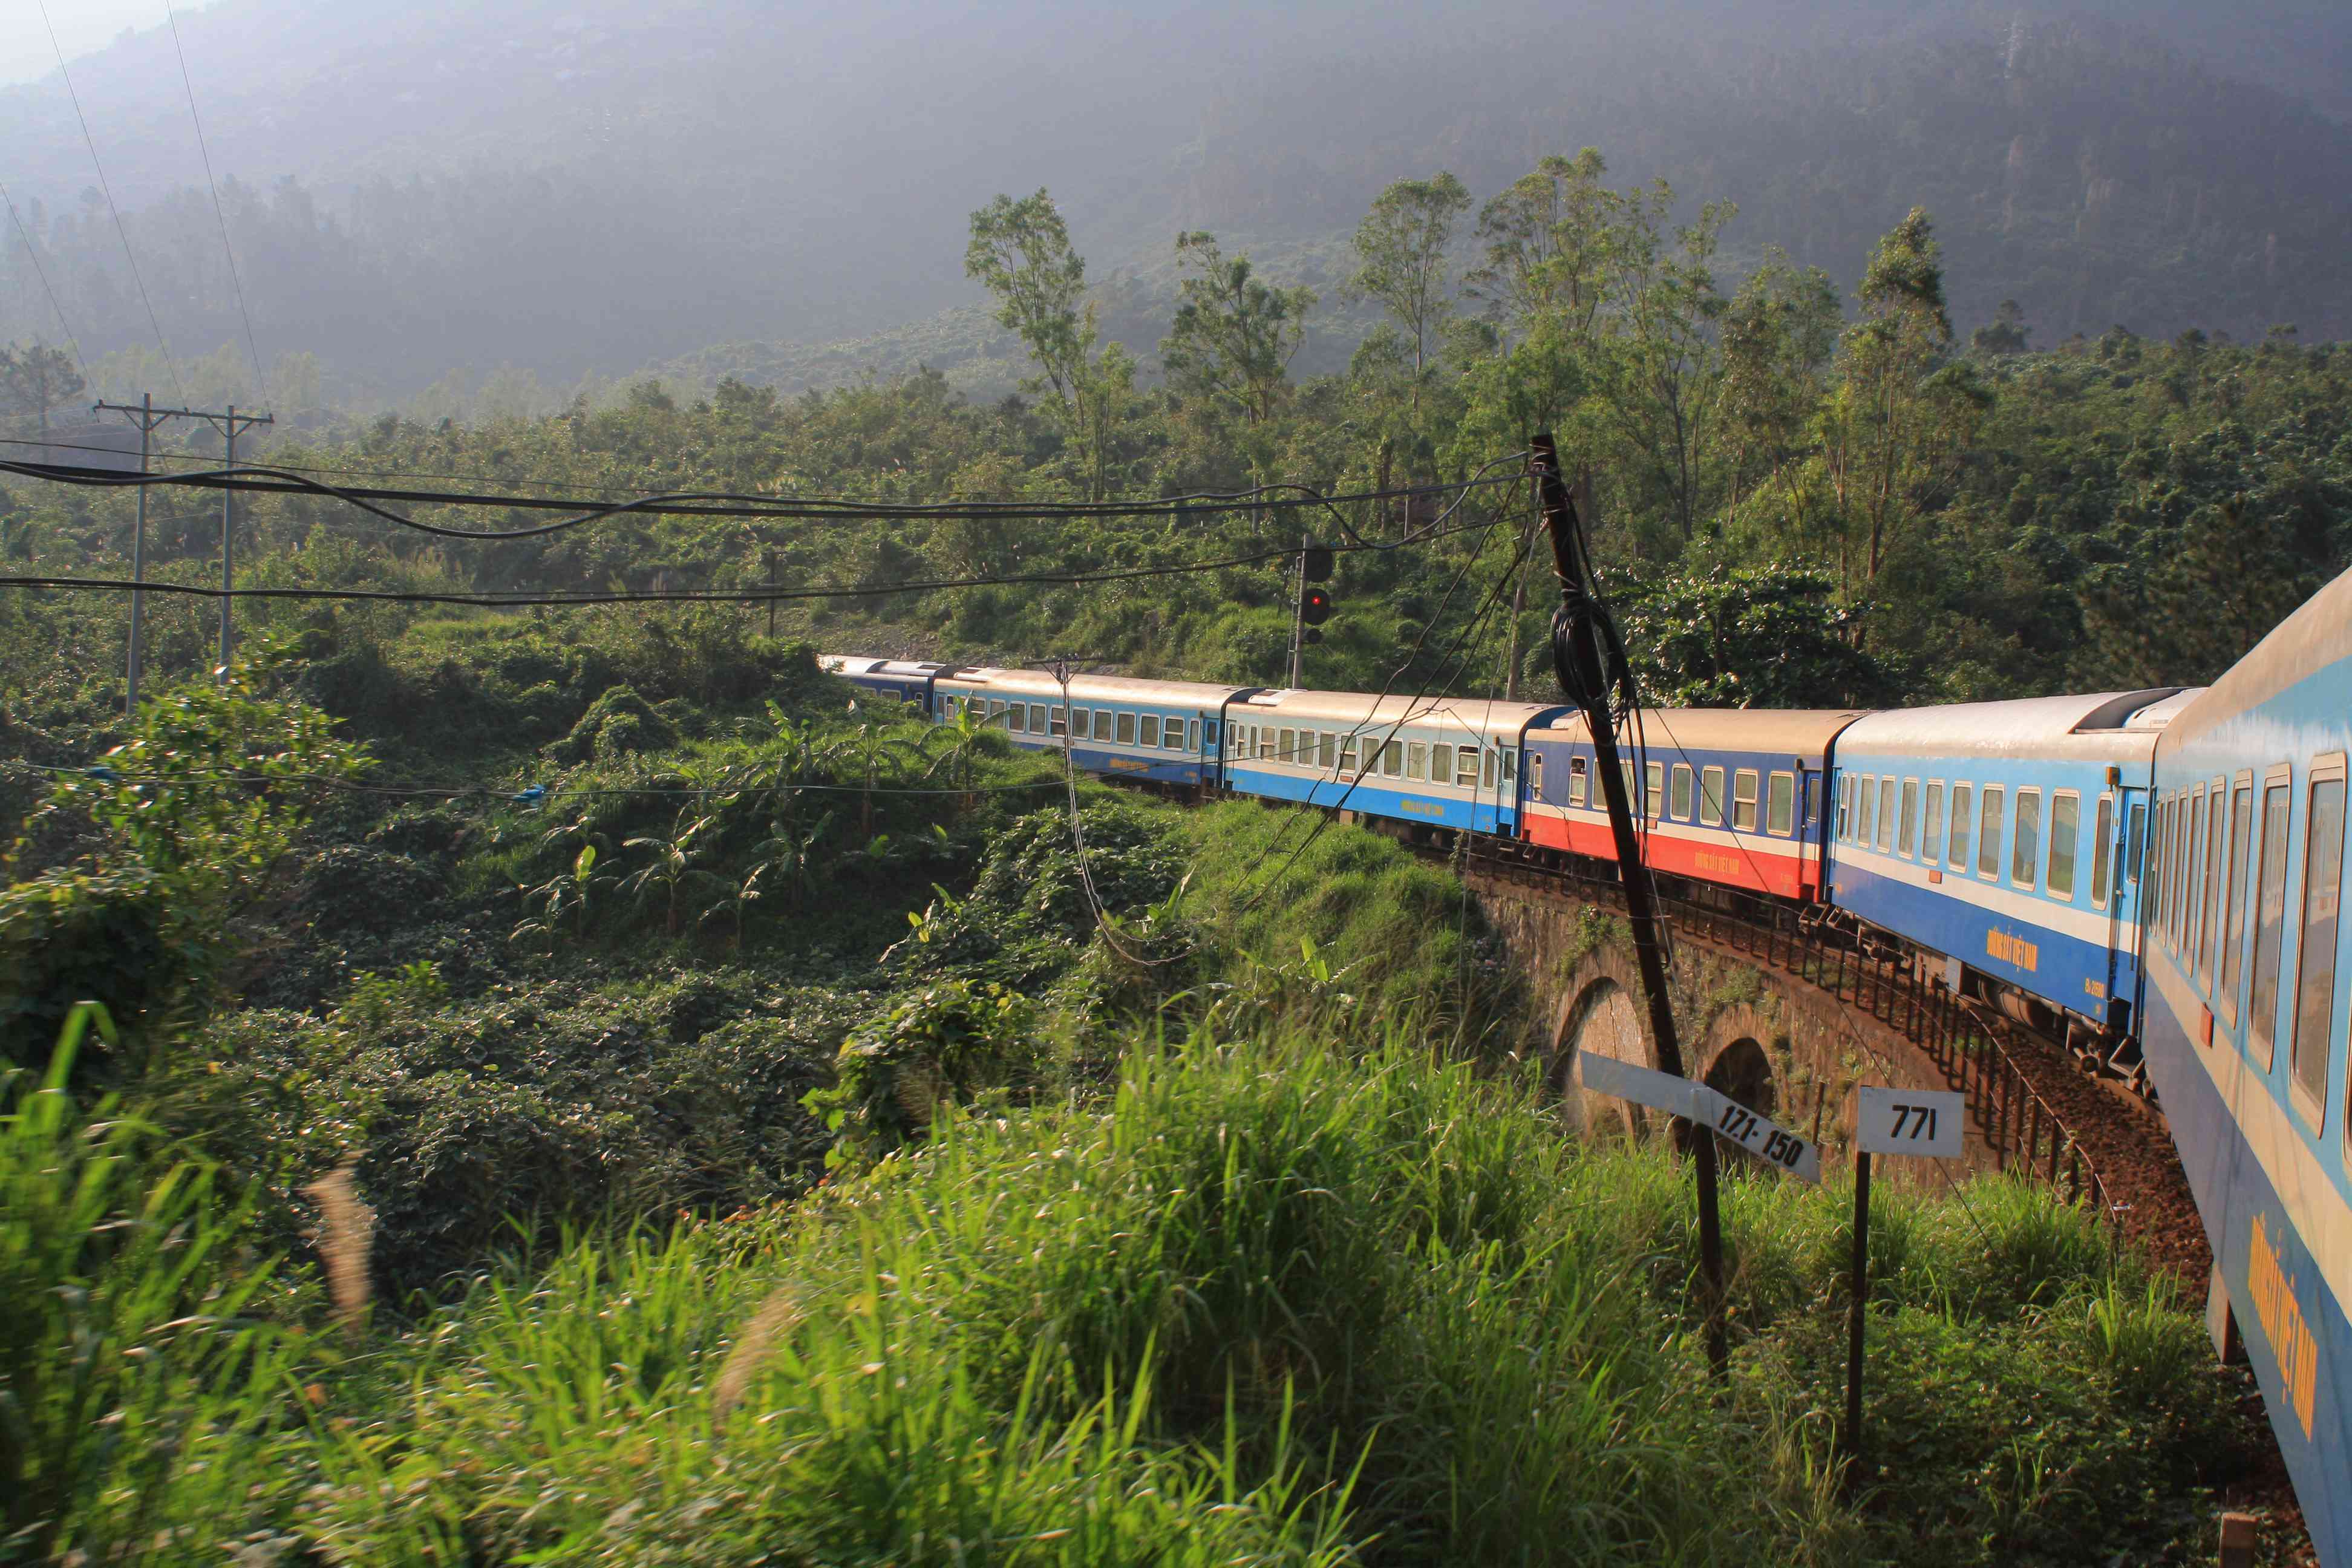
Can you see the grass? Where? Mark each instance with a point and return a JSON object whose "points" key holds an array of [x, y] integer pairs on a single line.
{"points": [[1263, 1303]]}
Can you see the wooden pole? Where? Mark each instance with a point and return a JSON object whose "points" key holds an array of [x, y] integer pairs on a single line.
{"points": [[1853, 1319]]}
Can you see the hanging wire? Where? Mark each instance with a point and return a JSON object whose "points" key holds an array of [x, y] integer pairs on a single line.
{"points": [[108, 190]]}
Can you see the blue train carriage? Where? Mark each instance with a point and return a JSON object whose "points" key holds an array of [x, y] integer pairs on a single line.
{"points": [[1432, 762], [2006, 835], [911, 681], [1163, 731], [1732, 795], [2247, 1015]]}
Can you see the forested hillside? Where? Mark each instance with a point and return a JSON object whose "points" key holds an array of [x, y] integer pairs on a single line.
{"points": [[581, 192]]}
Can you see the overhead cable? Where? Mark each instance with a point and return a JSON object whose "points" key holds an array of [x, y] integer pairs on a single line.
{"points": [[260, 377], [108, 192]]}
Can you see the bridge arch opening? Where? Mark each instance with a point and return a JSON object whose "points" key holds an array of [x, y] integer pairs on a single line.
{"points": [[1742, 1070], [1605, 1020]]}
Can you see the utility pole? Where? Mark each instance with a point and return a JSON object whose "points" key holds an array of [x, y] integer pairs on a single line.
{"points": [[150, 419], [1591, 666], [772, 583]]}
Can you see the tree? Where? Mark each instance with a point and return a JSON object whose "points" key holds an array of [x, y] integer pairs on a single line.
{"points": [[1401, 249], [2006, 334], [37, 378], [1234, 335], [1548, 239], [1760, 636], [1021, 252], [1779, 334], [1660, 358], [1900, 418]]}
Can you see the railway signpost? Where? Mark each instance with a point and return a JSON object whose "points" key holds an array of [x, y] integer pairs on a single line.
{"points": [[1704, 1107], [1888, 1121]]}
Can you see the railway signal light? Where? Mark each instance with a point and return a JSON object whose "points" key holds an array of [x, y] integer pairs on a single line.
{"points": [[1315, 607], [1311, 637], [1315, 564]]}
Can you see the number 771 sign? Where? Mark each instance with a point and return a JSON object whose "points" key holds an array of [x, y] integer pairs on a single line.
{"points": [[1910, 1121]]}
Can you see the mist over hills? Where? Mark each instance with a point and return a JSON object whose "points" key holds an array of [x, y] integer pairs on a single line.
{"points": [[589, 188]]}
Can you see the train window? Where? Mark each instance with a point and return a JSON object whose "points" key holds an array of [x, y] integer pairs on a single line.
{"points": [[2192, 845], [1209, 730], [1082, 723], [1194, 728], [1060, 722], [1037, 718], [1173, 737], [1989, 816], [1267, 742], [1886, 815], [1287, 745], [1511, 767], [2270, 918], [1016, 716], [1576, 781], [2066, 842], [2233, 929], [1931, 825], [1710, 797], [2160, 856], [1466, 774], [1127, 729], [1392, 759], [2137, 839], [1633, 795], [1535, 775], [1845, 808], [2103, 851], [1908, 833], [2025, 844], [1148, 730], [1328, 744], [1494, 776], [2323, 898], [2209, 937], [1781, 804], [1416, 759], [1680, 801], [1656, 801], [1865, 810], [1963, 818], [1348, 753], [1743, 800]]}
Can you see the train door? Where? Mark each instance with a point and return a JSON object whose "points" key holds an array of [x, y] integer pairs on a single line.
{"points": [[2126, 855]]}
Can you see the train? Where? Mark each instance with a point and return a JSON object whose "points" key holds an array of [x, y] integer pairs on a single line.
{"points": [[2153, 877]]}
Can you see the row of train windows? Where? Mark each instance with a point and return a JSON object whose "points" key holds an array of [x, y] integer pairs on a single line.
{"points": [[2211, 869], [1345, 754], [1871, 814], [1101, 724], [1689, 795]]}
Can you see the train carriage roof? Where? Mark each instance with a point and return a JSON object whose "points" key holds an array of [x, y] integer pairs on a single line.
{"points": [[2097, 727], [1771, 732], [1193, 695], [1477, 715], [2307, 642]]}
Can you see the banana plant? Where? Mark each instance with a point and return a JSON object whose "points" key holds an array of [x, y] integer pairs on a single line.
{"points": [[670, 871], [570, 895]]}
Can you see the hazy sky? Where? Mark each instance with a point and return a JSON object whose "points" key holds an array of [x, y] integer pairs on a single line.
{"points": [[82, 25]]}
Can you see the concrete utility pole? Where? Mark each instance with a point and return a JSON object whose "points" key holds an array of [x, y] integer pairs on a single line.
{"points": [[150, 419]]}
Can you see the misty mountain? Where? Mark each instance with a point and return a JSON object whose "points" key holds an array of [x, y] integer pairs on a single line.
{"points": [[588, 188]]}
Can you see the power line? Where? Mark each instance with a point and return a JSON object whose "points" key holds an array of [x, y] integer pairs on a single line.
{"points": [[43, 274], [272, 481], [102, 773], [108, 190], [260, 378], [754, 595]]}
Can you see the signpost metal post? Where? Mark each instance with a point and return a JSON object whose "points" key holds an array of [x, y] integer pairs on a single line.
{"points": [[1929, 1122]]}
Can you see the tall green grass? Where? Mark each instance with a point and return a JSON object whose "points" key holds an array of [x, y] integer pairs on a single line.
{"points": [[1262, 1303], [137, 1393]]}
